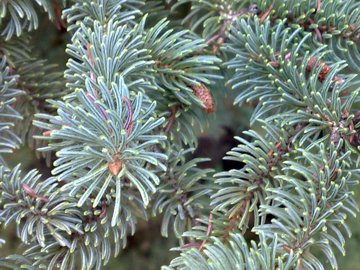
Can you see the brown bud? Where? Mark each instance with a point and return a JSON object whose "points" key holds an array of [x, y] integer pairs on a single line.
{"points": [[274, 64], [29, 191], [103, 210], [287, 249], [204, 94], [115, 166], [47, 133], [325, 69]]}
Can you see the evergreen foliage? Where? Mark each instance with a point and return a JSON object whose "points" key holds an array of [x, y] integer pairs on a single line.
{"points": [[118, 127]]}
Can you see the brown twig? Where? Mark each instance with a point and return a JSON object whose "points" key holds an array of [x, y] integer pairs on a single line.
{"points": [[91, 60], [129, 121], [318, 6], [208, 232], [220, 36], [190, 245], [103, 210], [32, 194], [58, 21], [172, 119], [266, 14], [317, 31], [88, 50], [201, 245], [97, 106]]}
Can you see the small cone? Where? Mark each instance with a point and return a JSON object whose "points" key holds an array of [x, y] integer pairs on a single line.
{"points": [[204, 94]]}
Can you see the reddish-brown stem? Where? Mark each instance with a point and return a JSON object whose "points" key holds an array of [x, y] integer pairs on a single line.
{"points": [[266, 14], [59, 23], [103, 210], [88, 50], [317, 31], [208, 232], [213, 38], [171, 119], [190, 245], [91, 60], [318, 6], [219, 37], [32, 194], [129, 121], [99, 109]]}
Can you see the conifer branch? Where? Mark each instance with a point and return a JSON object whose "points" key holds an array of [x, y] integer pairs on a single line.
{"points": [[122, 123]]}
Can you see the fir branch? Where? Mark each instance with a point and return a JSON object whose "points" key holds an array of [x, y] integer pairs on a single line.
{"points": [[110, 152], [182, 194], [297, 60], [8, 94], [88, 12], [332, 23], [19, 15]]}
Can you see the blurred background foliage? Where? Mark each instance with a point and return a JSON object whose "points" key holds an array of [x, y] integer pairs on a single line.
{"points": [[147, 250]]}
